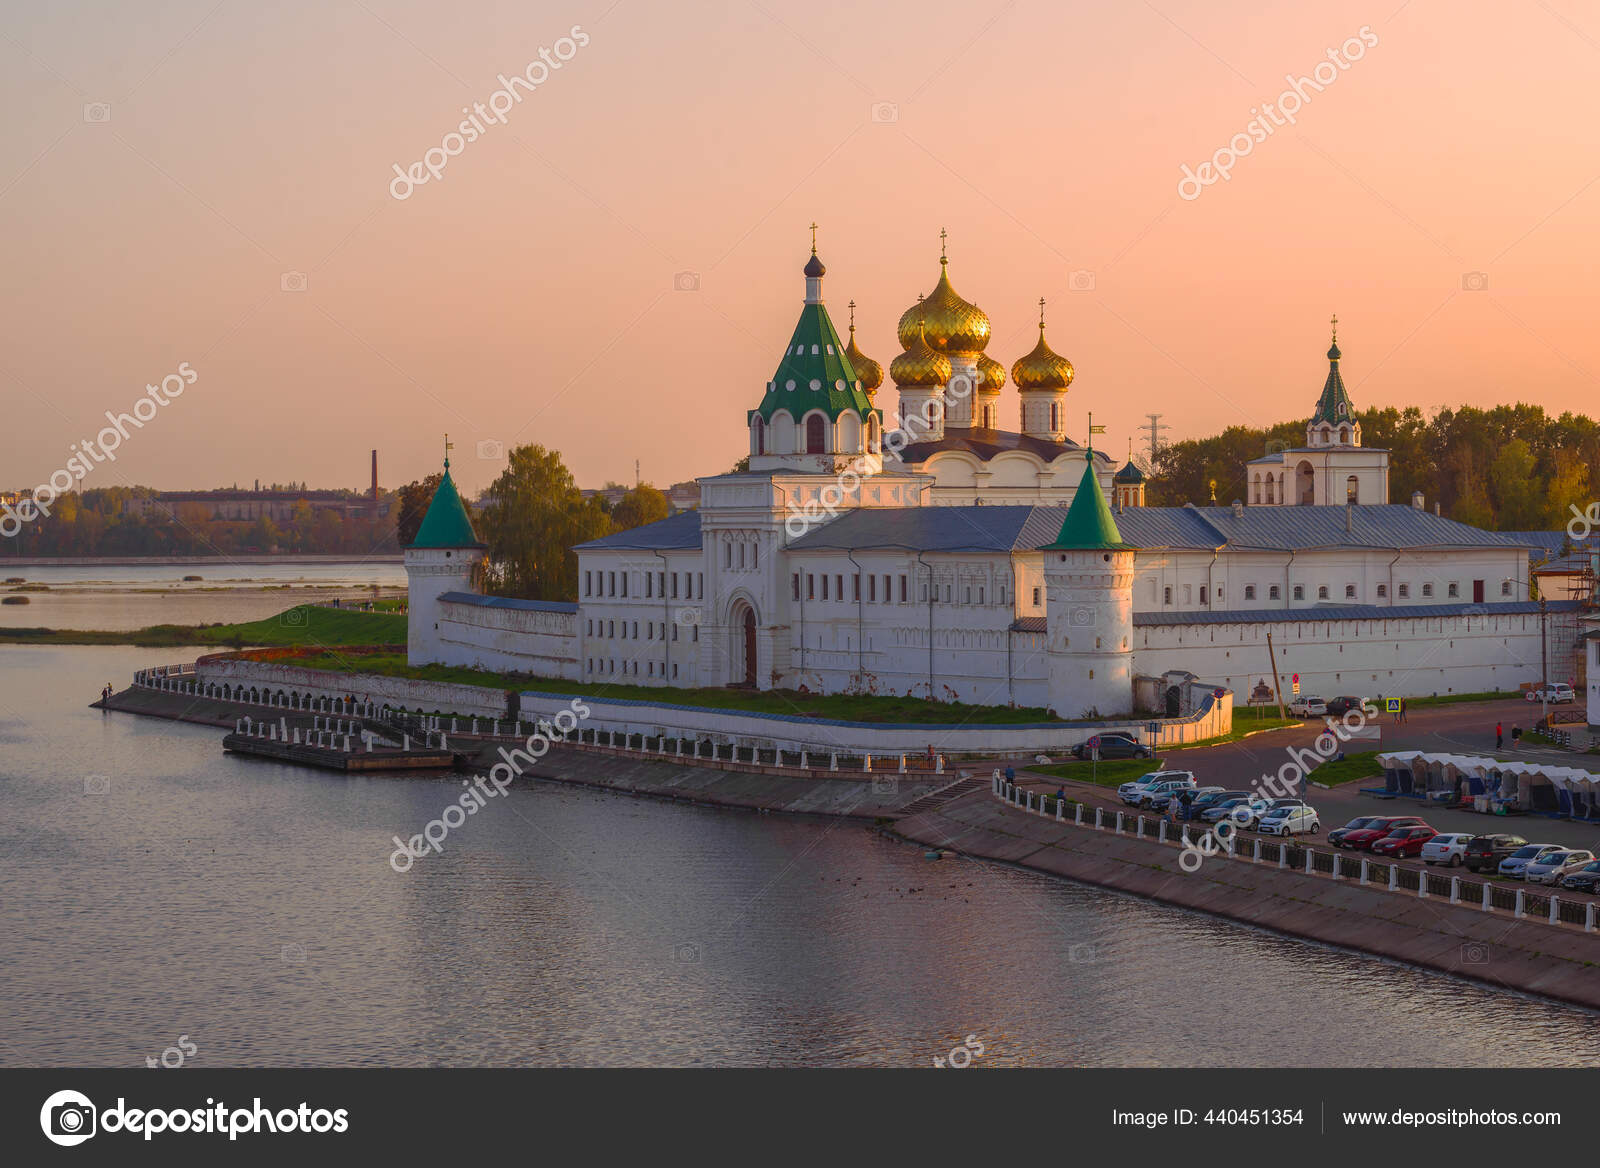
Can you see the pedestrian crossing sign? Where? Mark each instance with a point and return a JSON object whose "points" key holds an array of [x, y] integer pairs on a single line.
{"points": [[1392, 705]]}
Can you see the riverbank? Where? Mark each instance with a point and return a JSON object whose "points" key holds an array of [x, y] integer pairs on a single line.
{"points": [[1494, 948], [131, 561], [305, 624]]}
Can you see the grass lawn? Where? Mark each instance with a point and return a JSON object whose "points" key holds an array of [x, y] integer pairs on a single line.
{"points": [[308, 625], [1106, 774], [1362, 764], [838, 707], [1453, 699]]}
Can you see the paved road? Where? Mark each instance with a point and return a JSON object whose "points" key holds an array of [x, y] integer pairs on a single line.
{"points": [[1458, 729]]}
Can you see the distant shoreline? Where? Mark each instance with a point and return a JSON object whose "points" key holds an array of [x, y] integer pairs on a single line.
{"points": [[89, 561]]}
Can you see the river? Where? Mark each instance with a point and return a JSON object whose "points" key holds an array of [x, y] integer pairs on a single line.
{"points": [[153, 887]]}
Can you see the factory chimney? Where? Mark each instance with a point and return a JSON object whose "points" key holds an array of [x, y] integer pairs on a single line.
{"points": [[374, 476]]}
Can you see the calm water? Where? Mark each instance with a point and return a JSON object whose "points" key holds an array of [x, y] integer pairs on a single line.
{"points": [[252, 908], [134, 596]]}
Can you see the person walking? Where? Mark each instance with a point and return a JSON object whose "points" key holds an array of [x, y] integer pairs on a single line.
{"points": [[1516, 736], [1402, 709], [1499, 736]]}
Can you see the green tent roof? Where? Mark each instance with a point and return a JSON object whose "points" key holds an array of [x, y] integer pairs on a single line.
{"points": [[1088, 524], [820, 375], [1334, 405], [446, 525]]}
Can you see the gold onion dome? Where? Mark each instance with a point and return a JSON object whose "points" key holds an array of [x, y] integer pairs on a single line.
{"points": [[1043, 368], [921, 365], [991, 375], [950, 324], [868, 372]]}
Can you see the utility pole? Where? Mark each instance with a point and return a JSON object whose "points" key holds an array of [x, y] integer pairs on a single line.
{"points": [[636, 479], [1277, 687], [1155, 425], [1544, 663]]}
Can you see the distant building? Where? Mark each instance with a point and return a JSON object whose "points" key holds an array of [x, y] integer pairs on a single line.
{"points": [[248, 506]]}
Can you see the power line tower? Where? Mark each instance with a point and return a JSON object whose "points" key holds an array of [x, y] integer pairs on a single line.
{"points": [[1155, 425]]}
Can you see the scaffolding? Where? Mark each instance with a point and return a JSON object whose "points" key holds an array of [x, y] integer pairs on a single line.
{"points": [[1572, 576]]}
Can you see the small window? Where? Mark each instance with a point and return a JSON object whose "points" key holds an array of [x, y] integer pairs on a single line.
{"points": [[1505, 588], [1404, 591], [1202, 594], [1427, 590], [1272, 592], [1166, 594], [1455, 589], [1322, 592], [872, 588], [1035, 598], [796, 586], [968, 594], [1349, 591], [824, 586], [1299, 591], [980, 593], [1383, 591], [1249, 591], [902, 589], [811, 586]]}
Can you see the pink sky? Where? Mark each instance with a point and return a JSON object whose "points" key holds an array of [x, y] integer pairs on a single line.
{"points": [[528, 295]]}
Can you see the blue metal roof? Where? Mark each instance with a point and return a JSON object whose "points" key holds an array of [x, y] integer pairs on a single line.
{"points": [[679, 532], [1325, 612], [1545, 544], [937, 529], [480, 601]]}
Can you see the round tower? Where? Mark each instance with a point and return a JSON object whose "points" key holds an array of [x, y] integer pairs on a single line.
{"points": [[1088, 574], [442, 558]]}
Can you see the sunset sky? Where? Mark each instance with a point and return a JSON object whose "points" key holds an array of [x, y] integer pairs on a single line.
{"points": [[529, 294]]}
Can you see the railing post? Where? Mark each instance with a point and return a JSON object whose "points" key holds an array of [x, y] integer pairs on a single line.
{"points": [[1283, 855], [1555, 915], [1183, 835], [1099, 818], [1061, 810], [1394, 877], [1363, 871], [1455, 890], [1588, 917], [1487, 905], [1309, 855], [1336, 865], [1521, 904], [1138, 828], [1119, 823], [1422, 885], [1077, 816]]}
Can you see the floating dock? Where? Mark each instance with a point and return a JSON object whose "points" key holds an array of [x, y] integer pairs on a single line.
{"points": [[328, 758]]}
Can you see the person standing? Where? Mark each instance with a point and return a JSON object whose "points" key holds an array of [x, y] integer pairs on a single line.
{"points": [[1499, 736], [1402, 709]]}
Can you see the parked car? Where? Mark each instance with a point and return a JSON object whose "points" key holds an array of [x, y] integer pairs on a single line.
{"points": [[1164, 788], [1112, 745], [1307, 707], [1342, 705], [1585, 879], [1202, 802], [1517, 862], [1297, 820], [1336, 836], [1162, 801], [1555, 693], [1362, 839], [1549, 869], [1446, 849], [1484, 852], [1403, 842], [1129, 792], [1243, 810]]}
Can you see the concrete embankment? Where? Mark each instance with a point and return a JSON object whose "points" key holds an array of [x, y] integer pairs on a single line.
{"points": [[1496, 948]]}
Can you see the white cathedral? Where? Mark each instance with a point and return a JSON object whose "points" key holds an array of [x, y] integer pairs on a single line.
{"points": [[948, 559]]}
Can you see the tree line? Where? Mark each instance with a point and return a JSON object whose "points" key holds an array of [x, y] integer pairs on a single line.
{"points": [[1509, 468], [532, 517]]}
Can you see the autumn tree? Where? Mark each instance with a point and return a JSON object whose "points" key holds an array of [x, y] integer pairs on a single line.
{"points": [[644, 504], [413, 505], [535, 516]]}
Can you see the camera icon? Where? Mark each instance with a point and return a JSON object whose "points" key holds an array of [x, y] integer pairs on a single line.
{"points": [[885, 112], [687, 616], [1275, 446], [293, 954], [292, 282], [1474, 953], [1083, 953], [686, 282], [1081, 616], [1474, 281], [294, 617], [97, 111], [687, 953], [1081, 280], [491, 448], [68, 1118], [885, 786], [97, 784]]}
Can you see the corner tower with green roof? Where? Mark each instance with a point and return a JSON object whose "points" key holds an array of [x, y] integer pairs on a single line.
{"points": [[1088, 574], [442, 558], [815, 415]]}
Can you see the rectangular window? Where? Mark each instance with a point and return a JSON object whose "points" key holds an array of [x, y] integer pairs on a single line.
{"points": [[811, 586], [968, 595], [648, 584], [1036, 598], [586, 584], [755, 555], [674, 671], [947, 594], [636, 637], [857, 586], [902, 589], [838, 587], [1272, 592], [661, 583], [1404, 591], [1166, 598], [591, 626], [1249, 591], [796, 580], [824, 585], [980, 593], [624, 583], [611, 583], [700, 585], [1202, 594], [674, 585], [872, 588]]}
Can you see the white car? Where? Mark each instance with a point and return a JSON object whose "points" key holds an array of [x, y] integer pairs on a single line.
{"points": [[1446, 849], [1132, 793], [1147, 796], [1556, 693], [1549, 869], [1299, 820], [1308, 707]]}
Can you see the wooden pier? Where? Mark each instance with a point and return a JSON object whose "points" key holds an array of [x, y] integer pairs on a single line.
{"points": [[379, 759]]}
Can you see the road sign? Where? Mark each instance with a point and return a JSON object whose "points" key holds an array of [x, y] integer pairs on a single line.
{"points": [[1392, 705], [1295, 685]]}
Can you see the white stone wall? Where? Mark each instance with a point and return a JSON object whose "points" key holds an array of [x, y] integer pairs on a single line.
{"points": [[509, 639], [629, 631]]}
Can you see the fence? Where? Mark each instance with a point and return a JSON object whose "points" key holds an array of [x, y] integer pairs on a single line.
{"points": [[1522, 903]]}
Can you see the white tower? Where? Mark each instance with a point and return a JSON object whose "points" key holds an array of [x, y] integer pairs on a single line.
{"points": [[1088, 573], [442, 558]]}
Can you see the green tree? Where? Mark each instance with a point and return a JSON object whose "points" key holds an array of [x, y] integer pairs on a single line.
{"points": [[414, 499], [536, 516], [1521, 496], [644, 504]]}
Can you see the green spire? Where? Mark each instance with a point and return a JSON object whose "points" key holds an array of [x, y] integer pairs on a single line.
{"points": [[1088, 525], [816, 356], [447, 524], [1334, 405]]}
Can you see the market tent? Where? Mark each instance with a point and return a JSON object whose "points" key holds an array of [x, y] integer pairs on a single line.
{"points": [[1397, 770]]}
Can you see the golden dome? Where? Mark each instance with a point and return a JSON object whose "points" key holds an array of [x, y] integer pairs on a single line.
{"points": [[951, 324], [921, 365], [1044, 368], [991, 375], [868, 372]]}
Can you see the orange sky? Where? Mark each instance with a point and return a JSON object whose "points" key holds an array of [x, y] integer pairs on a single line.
{"points": [[528, 294]]}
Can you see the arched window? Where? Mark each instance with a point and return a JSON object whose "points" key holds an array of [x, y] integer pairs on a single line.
{"points": [[1344, 435], [1352, 489], [1257, 496], [1055, 416], [1322, 592], [758, 436], [815, 433], [1271, 482]]}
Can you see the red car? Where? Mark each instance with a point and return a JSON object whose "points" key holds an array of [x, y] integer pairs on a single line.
{"points": [[1403, 841], [1363, 839]]}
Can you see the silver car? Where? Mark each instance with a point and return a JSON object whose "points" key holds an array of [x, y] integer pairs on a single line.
{"points": [[1517, 862], [1550, 868]]}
